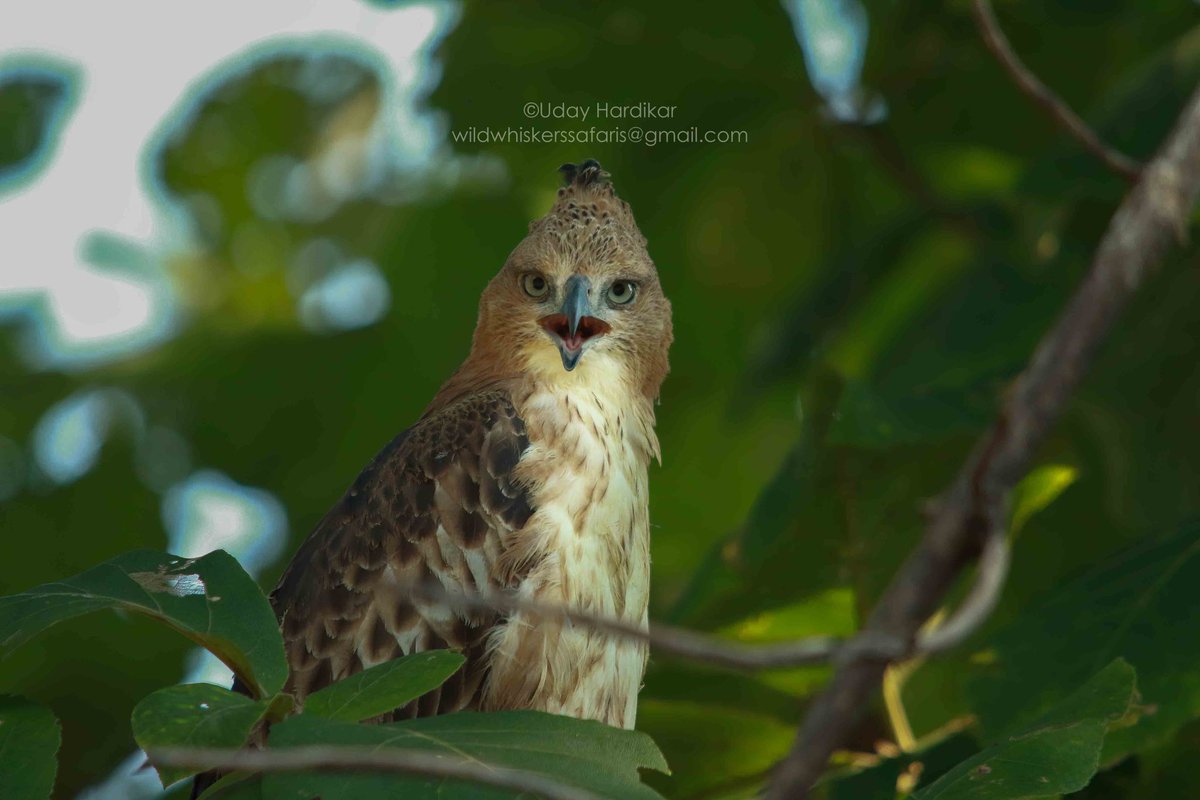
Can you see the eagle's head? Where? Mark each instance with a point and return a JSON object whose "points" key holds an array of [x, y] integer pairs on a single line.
{"points": [[579, 301]]}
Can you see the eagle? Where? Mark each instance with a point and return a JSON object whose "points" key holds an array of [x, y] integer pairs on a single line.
{"points": [[527, 473]]}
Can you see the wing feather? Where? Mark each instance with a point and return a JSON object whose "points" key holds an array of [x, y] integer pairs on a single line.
{"points": [[440, 500]]}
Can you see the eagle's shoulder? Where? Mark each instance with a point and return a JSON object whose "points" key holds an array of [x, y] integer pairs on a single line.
{"points": [[440, 500]]}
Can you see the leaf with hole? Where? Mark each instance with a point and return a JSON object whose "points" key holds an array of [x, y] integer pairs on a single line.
{"points": [[211, 600], [194, 715]]}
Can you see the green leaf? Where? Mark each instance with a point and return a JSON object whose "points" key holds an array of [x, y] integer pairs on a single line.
{"points": [[37, 97], [1038, 489], [1058, 753], [581, 753], [866, 418], [384, 687], [29, 742], [235, 786], [735, 578], [712, 746], [933, 759], [1138, 606], [926, 270], [211, 600], [194, 715]]}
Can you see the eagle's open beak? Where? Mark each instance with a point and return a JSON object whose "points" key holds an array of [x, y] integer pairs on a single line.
{"points": [[573, 325]]}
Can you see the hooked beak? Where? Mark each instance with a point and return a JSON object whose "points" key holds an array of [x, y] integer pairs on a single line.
{"points": [[573, 326]]}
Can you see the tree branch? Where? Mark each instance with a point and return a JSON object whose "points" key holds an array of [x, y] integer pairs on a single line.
{"points": [[1059, 111], [680, 642], [1153, 214], [329, 758], [715, 651]]}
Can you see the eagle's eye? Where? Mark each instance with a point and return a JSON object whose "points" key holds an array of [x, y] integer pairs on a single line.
{"points": [[621, 293], [534, 285]]}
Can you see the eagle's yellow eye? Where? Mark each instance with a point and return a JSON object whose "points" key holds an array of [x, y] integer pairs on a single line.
{"points": [[534, 285], [622, 292]]}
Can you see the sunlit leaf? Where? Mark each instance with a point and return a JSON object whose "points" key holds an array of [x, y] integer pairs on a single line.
{"points": [[194, 715], [384, 687], [580, 753], [829, 613], [29, 741], [211, 600], [1059, 752], [1037, 490]]}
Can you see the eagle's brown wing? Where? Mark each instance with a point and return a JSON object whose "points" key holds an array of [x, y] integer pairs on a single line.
{"points": [[440, 501]]}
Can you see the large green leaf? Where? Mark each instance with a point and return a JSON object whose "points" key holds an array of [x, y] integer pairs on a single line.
{"points": [[581, 753], [194, 715], [713, 745], [29, 741], [235, 786], [1059, 752], [384, 687], [923, 766], [211, 600], [1138, 605]]}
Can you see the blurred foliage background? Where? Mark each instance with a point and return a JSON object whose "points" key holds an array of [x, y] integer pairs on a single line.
{"points": [[853, 287]]}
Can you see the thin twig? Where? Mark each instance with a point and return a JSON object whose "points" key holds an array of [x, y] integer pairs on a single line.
{"points": [[1041, 94], [716, 651], [1152, 215], [979, 603], [330, 758], [680, 642]]}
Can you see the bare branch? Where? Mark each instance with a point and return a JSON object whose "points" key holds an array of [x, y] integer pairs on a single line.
{"points": [[1059, 111], [329, 758], [1152, 215], [716, 651], [980, 602], [680, 642]]}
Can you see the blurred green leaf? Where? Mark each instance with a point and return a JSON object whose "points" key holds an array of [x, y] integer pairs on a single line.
{"points": [[384, 687], [37, 95], [865, 418], [1057, 753], [1134, 116], [921, 275], [29, 742], [730, 582], [828, 613], [1037, 490], [711, 746], [194, 715], [1136, 606], [211, 600], [581, 753]]}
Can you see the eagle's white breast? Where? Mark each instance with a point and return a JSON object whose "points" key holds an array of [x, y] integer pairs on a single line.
{"points": [[591, 440]]}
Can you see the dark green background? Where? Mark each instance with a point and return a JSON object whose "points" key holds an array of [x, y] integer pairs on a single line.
{"points": [[887, 281]]}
